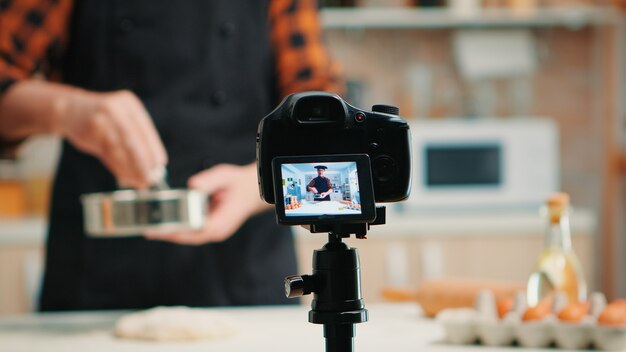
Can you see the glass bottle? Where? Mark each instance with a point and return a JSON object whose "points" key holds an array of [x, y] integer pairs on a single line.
{"points": [[558, 268]]}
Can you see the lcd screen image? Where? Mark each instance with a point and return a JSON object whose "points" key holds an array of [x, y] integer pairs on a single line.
{"points": [[323, 188]]}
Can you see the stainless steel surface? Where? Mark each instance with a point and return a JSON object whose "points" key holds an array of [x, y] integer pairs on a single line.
{"points": [[134, 212]]}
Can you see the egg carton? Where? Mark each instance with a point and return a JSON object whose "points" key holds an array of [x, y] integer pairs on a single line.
{"points": [[464, 326]]}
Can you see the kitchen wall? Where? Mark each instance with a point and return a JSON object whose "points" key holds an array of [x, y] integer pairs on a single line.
{"points": [[564, 87], [415, 66]]}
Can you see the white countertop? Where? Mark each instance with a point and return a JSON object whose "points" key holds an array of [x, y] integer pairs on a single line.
{"points": [[391, 327], [407, 224]]}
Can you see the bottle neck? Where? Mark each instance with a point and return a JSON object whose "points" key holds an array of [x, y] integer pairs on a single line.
{"points": [[558, 234]]}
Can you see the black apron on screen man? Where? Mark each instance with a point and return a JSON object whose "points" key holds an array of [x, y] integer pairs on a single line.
{"points": [[205, 73]]}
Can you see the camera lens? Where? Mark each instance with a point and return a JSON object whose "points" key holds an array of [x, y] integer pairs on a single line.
{"points": [[385, 168]]}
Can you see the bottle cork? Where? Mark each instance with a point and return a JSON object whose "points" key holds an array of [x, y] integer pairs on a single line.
{"points": [[557, 205], [558, 199]]}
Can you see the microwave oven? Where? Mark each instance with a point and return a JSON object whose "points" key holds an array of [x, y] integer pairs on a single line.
{"points": [[483, 163]]}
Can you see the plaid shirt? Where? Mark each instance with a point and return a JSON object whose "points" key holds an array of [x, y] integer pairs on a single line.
{"points": [[33, 34]]}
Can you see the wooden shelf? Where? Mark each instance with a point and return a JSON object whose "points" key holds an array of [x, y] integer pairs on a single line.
{"points": [[413, 18]]}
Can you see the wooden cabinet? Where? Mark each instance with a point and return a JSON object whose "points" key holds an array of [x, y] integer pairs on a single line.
{"points": [[410, 248], [20, 272], [21, 263]]}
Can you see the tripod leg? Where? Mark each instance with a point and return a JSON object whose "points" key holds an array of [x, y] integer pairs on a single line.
{"points": [[339, 337]]}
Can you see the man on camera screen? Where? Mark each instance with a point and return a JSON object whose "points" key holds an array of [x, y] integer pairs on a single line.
{"points": [[320, 185]]}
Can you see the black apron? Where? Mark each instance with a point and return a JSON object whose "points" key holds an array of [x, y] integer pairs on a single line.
{"points": [[205, 72], [321, 184]]}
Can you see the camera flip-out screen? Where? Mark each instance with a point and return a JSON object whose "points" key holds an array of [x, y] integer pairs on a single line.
{"points": [[323, 189]]}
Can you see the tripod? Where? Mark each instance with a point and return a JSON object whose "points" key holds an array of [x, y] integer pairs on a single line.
{"points": [[336, 284]]}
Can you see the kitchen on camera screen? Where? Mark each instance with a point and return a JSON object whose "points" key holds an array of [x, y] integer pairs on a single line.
{"points": [[320, 188]]}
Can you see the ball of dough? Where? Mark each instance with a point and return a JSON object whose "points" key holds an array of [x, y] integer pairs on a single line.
{"points": [[175, 324]]}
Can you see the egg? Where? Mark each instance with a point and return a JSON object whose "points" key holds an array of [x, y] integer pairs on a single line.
{"points": [[614, 314], [504, 305], [574, 312], [619, 302], [538, 312]]}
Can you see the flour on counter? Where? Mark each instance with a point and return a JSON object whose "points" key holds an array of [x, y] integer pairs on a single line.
{"points": [[175, 324]]}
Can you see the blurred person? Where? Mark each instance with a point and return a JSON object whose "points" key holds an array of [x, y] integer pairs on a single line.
{"points": [[133, 86]]}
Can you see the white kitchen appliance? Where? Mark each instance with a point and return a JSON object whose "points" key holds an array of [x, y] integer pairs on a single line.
{"points": [[476, 163]]}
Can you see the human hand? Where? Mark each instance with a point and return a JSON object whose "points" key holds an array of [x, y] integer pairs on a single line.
{"points": [[115, 128], [313, 189], [234, 198]]}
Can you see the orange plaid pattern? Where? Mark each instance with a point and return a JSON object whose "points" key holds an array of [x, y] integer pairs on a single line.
{"points": [[33, 33], [302, 60]]}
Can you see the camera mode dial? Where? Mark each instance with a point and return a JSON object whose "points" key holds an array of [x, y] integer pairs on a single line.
{"points": [[386, 109]]}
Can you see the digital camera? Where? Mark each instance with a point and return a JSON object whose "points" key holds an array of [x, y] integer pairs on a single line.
{"points": [[319, 125]]}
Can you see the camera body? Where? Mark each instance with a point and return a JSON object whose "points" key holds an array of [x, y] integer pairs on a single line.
{"points": [[320, 123]]}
